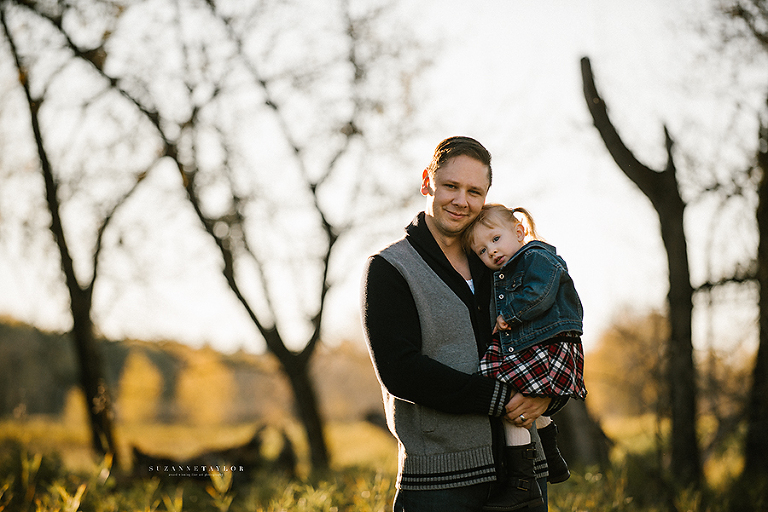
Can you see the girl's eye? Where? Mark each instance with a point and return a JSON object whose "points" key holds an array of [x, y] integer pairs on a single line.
{"points": [[481, 252], [496, 238]]}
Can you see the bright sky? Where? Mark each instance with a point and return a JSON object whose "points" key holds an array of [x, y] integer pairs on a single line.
{"points": [[506, 72]]}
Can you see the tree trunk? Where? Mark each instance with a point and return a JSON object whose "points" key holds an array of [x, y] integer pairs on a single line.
{"points": [[661, 188], [756, 445], [307, 409], [680, 367], [92, 380]]}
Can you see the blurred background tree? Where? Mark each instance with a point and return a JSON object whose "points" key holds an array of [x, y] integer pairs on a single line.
{"points": [[743, 25], [663, 190], [750, 22], [277, 123], [71, 195]]}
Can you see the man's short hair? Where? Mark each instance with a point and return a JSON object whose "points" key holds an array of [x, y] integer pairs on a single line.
{"points": [[457, 146]]}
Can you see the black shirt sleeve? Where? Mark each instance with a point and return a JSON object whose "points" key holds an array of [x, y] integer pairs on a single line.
{"points": [[393, 334]]}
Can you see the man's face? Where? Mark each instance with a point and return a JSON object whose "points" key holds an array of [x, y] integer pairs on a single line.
{"points": [[456, 194]]}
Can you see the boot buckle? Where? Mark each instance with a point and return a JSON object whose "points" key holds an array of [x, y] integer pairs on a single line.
{"points": [[524, 485]]}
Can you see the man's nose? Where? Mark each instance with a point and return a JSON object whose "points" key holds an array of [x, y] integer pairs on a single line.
{"points": [[460, 198]]}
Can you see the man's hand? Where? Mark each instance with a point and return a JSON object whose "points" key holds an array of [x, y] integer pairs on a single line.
{"points": [[522, 411]]}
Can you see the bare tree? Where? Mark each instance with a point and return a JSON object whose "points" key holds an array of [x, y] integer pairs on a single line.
{"points": [[274, 145], [662, 189], [756, 446], [754, 15], [747, 20], [237, 240], [92, 378]]}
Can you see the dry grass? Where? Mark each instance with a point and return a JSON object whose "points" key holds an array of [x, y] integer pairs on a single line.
{"points": [[363, 464], [350, 444]]}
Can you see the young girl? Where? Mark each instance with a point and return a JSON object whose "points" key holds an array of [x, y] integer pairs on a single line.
{"points": [[538, 348]]}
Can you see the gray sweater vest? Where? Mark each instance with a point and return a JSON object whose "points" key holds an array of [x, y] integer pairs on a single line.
{"points": [[438, 450]]}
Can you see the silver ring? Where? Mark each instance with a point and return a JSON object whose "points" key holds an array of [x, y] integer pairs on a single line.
{"points": [[522, 417]]}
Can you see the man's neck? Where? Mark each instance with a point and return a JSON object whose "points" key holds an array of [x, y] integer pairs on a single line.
{"points": [[452, 249]]}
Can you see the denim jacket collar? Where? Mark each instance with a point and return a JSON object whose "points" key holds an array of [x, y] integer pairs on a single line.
{"points": [[527, 247]]}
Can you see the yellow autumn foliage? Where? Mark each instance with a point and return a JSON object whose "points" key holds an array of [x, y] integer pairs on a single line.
{"points": [[139, 389], [205, 380]]}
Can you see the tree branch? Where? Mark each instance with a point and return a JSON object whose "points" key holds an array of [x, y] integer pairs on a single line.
{"points": [[751, 20], [645, 178], [747, 276], [51, 186], [108, 220]]}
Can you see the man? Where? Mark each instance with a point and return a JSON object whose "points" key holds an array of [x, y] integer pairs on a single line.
{"points": [[427, 321]]}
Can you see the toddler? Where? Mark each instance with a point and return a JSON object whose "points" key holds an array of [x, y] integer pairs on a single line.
{"points": [[537, 340]]}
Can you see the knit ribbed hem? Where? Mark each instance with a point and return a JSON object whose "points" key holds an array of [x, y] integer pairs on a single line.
{"points": [[444, 471], [422, 483], [540, 466]]}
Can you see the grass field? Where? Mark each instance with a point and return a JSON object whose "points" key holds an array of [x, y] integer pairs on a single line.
{"points": [[50, 468]]}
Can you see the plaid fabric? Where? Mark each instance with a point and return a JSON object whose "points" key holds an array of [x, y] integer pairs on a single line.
{"points": [[555, 368]]}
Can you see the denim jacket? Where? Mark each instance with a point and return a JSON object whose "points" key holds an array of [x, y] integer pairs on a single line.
{"points": [[536, 297]]}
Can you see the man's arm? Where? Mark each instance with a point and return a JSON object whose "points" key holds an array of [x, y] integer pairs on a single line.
{"points": [[393, 334]]}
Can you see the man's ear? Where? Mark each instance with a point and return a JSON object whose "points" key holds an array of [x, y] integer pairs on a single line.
{"points": [[425, 182]]}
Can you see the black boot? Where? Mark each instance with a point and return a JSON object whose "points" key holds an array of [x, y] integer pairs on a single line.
{"points": [[558, 468], [519, 489]]}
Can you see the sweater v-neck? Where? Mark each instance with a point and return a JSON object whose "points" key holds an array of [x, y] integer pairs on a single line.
{"points": [[421, 238]]}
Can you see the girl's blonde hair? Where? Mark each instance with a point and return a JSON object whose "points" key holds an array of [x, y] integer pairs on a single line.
{"points": [[497, 215]]}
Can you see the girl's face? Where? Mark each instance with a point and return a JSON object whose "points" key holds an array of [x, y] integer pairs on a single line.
{"points": [[497, 244]]}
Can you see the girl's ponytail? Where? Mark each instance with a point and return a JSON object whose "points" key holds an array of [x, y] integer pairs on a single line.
{"points": [[528, 223]]}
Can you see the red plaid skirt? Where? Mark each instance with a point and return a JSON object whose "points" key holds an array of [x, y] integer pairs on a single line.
{"points": [[554, 368]]}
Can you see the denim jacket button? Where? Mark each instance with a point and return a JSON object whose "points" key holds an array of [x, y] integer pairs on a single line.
{"points": [[501, 276], [501, 296], [511, 349]]}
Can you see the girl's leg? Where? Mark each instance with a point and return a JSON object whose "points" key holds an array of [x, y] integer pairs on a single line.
{"points": [[558, 468], [519, 489], [516, 436]]}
